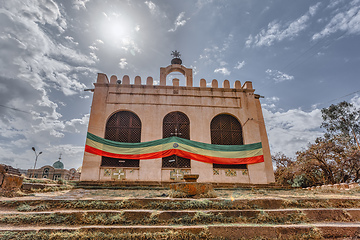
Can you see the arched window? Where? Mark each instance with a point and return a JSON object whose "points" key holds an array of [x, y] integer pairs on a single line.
{"points": [[122, 126], [226, 130], [45, 173], [176, 124]]}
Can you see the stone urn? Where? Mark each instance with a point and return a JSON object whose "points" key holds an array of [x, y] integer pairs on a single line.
{"points": [[191, 177], [191, 188]]}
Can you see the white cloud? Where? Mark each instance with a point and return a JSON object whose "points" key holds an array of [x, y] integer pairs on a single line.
{"points": [[334, 3], [77, 124], [240, 65], [356, 101], [94, 56], [179, 22], [278, 76], [269, 102], [223, 71], [277, 32], [201, 3], [71, 39], [292, 130], [154, 10], [223, 63], [314, 8], [78, 4], [216, 53], [44, 65], [48, 13], [346, 21], [123, 63], [150, 5], [129, 45]]}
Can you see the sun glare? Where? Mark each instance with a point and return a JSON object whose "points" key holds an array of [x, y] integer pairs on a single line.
{"points": [[116, 28]]}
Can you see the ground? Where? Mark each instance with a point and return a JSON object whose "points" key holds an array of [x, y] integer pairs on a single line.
{"points": [[149, 213], [230, 194]]}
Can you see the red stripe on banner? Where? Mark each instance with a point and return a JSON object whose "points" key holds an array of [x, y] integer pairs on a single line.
{"points": [[180, 153], [217, 160]]}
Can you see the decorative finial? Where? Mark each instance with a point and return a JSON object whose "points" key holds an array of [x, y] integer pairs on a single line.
{"points": [[175, 54], [176, 57]]}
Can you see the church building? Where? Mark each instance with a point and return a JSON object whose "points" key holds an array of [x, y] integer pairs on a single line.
{"points": [[140, 132]]}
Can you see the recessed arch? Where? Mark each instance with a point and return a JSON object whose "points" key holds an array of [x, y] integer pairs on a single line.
{"points": [[226, 130], [187, 72], [176, 124], [122, 126]]}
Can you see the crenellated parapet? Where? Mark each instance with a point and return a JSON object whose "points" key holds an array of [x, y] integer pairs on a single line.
{"points": [[103, 79]]}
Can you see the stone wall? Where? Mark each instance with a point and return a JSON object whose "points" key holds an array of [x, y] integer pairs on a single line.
{"points": [[9, 183]]}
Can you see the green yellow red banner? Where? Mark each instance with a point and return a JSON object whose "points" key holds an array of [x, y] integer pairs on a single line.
{"points": [[203, 152]]}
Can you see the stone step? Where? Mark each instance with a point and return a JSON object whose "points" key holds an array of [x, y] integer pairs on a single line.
{"points": [[185, 217], [234, 231], [176, 204]]}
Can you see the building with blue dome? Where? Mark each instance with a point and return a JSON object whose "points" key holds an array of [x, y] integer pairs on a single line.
{"points": [[54, 172]]}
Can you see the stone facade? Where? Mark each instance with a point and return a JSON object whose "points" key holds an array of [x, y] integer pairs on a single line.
{"points": [[151, 103]]}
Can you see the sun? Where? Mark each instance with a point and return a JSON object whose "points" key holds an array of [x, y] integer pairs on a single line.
{"points": [[116, 28]]}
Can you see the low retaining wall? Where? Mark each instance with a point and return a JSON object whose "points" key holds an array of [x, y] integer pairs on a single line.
{"points": [[341, 186]]}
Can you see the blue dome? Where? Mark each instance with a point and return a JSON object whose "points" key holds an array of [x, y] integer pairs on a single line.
{"points": [[58, 165]]}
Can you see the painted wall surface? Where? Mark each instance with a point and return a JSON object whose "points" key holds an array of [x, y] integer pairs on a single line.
{"points": [[201, 104]]}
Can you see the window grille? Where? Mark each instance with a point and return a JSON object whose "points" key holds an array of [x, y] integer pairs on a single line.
{"points": [[176, 124], [226, 130], [122, 126]]}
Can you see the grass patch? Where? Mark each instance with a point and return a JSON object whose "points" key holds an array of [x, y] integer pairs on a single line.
{"points": [[53, 188], [37, 180], [104, 236], [203, 218], [292, 218], [191, 204], [27, 208], [314, 233], [97, 204], [146, 218]]}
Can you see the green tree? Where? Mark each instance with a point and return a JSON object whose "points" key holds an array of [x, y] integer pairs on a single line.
{"points": [[342, 118]]}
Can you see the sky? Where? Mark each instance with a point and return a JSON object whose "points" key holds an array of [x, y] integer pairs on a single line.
{"points": [[302, 56]]}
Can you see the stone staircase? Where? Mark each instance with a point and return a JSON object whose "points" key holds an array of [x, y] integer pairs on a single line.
{"points": [[165, 218]]}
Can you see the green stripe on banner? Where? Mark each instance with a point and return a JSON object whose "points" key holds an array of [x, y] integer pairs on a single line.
{"points": [[169, 146], [212, 147]]}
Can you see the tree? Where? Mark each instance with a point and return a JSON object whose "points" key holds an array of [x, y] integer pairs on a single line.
{"points": [[342, 118], [333, 158], [283, 169], [330, 160]]}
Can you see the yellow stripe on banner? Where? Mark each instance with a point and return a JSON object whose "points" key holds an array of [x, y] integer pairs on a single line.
{"points": [[167, 146], [220, 154], [129, 151]]}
